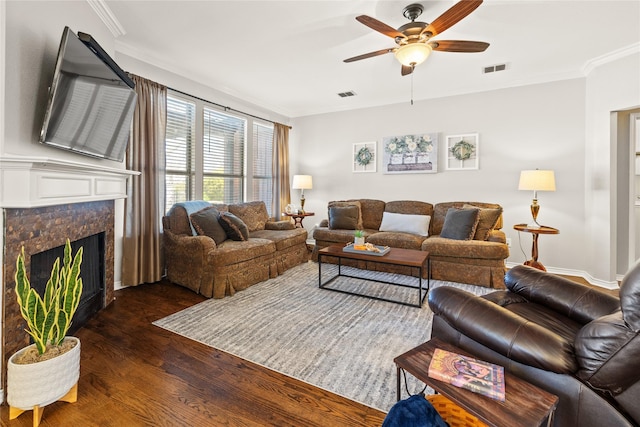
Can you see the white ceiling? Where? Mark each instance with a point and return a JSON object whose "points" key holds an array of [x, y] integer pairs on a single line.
{"points": [[287, 56]]}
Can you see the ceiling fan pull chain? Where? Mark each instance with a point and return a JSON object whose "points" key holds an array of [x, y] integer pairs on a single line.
{"points": [[412, 88]]}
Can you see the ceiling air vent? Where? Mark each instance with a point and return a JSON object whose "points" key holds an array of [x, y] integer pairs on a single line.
{"points": [[494, 68], [346, 94]]}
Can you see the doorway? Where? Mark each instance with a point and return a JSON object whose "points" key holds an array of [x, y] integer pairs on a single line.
{"points": [[634, 226], [625, 133]]}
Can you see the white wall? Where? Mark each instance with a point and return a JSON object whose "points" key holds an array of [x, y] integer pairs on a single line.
{"points": [[538, 126], [613, 86]]}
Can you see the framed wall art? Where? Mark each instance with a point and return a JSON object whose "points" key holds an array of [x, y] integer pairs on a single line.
{"points": [[462, 152], [410, 153], [364, 157]]}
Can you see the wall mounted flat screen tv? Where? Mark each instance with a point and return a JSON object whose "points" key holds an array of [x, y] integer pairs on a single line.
{"points": [[91, 101]]}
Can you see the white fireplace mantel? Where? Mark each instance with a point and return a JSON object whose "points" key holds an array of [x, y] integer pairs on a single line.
{"points": [[29, 182]]}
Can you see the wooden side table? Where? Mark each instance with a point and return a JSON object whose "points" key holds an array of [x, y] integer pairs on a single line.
{"points": [[525, 405], [297, 218], [533, 262]]}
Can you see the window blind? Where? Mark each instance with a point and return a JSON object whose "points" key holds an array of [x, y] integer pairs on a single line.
{"points": [[179, 147], [223, 157], [262, 164]]}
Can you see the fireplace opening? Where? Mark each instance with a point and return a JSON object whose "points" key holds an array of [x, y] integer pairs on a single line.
{"points": [[92, 272]]}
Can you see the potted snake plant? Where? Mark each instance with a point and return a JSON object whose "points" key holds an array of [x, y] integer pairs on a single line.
{"points": [[47, 370]]}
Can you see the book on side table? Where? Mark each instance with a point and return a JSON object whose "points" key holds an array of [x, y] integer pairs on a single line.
{"points": [[466, 372]]}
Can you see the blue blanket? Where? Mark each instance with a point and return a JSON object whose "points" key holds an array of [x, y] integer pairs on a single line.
{"points": [[415, 411], [193, 206]]}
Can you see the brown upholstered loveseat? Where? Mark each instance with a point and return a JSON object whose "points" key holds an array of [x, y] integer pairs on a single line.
{"points": [[217, 270], [478, 261]]}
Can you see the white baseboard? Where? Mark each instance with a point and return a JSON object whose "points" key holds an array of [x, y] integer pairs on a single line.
{"points": [[578, 273]]}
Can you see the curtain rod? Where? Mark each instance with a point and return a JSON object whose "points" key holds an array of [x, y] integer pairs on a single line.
{"points": [[224, 106]]}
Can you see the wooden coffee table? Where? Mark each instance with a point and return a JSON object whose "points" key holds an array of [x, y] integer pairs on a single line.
{"points": [[396, 256], [525, 404]]}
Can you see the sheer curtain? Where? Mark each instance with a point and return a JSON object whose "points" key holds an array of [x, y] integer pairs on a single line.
{"points": [[281, 191], [144, 207]]}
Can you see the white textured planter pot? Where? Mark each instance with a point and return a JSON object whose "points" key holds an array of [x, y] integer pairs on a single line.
{"points": [[42, 383]]}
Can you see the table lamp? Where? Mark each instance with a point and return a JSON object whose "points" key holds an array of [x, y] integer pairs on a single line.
{"points": [[302, 182], [536, 180]]}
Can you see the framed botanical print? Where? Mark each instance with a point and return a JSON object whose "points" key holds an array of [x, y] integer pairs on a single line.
{"points": [[364, 157], [462, 152], [410, 153]]}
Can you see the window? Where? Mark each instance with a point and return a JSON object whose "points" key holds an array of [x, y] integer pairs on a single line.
{"points": [[179, 148], [216, 156], [263, 164], [223, 157]]}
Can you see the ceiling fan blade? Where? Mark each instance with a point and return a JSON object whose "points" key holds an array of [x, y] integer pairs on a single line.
{"points": [[380, 27], [370, 54], [406, 69], [458, 46], [452, 16]]}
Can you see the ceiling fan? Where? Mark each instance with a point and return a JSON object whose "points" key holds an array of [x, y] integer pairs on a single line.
{"points": [[414, 39]]}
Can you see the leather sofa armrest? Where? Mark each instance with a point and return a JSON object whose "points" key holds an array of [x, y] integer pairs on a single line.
{"points": [[502, 330], [607, 352], [279, 225], [324, 223], [504, 298], [571, 299]]}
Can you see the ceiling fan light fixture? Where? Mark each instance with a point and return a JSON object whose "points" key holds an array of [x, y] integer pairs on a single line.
{"points": [[413, 54]]}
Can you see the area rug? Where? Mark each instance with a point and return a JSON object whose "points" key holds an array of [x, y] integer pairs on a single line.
{"points": [[342, 343]]}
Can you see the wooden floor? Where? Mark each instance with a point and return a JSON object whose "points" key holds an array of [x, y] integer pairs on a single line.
{"points": [[136, 374]]}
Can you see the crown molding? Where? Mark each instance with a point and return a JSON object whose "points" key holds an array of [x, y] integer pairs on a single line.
{"points": [[610, 57], [106, 15]]}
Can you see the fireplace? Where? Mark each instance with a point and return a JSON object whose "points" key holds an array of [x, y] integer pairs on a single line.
{"points": [[42, 229], [91, 272]]}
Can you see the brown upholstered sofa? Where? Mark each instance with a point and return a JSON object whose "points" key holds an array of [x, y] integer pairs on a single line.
{"points": [[572, 340], [217, 270], [478, 261]]}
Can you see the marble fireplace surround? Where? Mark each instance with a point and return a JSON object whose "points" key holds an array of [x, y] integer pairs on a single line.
{"points": [[44, 202]]}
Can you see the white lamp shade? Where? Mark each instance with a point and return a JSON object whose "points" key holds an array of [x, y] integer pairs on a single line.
{"points": [[413, 53], [302, 182], [537, 180]]}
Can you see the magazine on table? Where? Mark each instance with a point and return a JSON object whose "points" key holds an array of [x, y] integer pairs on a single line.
{"points": [[466, 372]]}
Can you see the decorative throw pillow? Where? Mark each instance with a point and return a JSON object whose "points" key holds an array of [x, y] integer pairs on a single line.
{"points": [[254, 214], [405, 223], [460, 224], [206, 223], [235, 228], [487, 220], [356, 203], [343, 217]]}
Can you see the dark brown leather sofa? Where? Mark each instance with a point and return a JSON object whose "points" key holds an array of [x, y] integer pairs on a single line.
{"points": [[579, 343]]}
